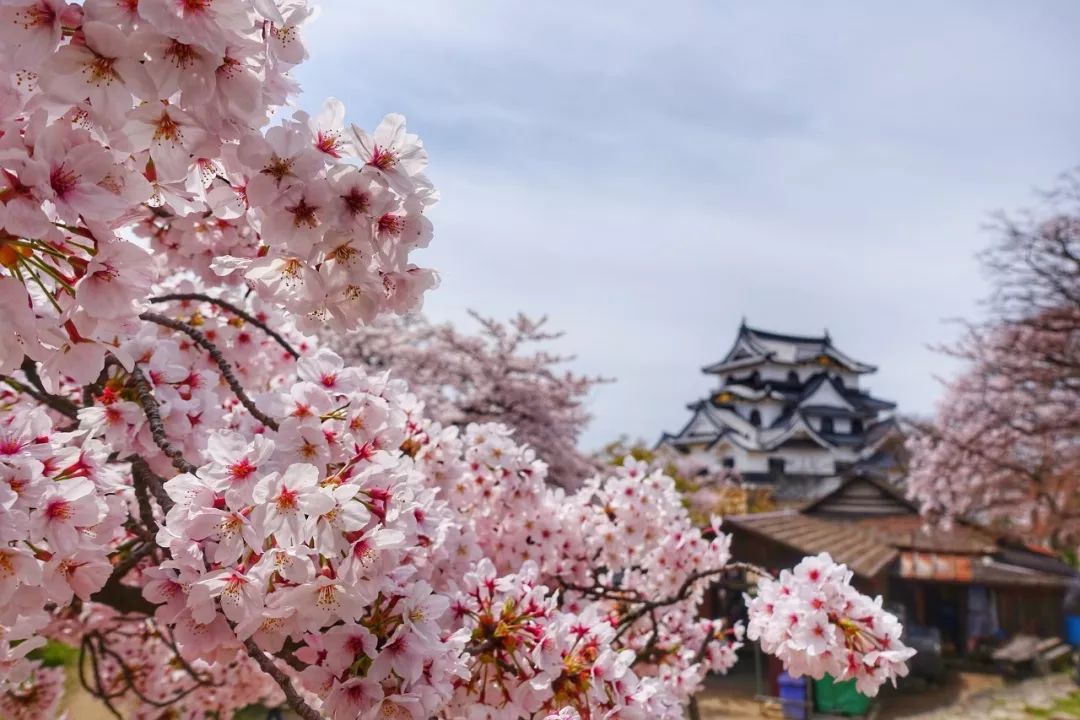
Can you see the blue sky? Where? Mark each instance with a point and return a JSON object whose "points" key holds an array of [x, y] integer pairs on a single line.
{"points": [[646, 174]]}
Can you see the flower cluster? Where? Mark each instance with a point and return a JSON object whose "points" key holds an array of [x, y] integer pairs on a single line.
{"points": [[36, 697], [560, 660], [632, 524], [61, 512], [144, 118], [813, 620], [505, 372]]}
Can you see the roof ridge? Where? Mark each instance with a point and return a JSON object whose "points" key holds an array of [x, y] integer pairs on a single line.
{"points": [[772, 335]]}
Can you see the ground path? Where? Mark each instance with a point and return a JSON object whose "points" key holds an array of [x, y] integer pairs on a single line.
{"points": [[967, 696]]}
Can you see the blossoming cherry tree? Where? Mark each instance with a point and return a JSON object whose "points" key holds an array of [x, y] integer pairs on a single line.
{"points": [[218, 512]]}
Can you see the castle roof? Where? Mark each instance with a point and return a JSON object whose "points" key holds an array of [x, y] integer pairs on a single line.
{"points": [[811, 413], [754, 346]]}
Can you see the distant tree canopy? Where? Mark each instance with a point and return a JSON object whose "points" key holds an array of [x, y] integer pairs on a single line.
{"points": [[708, 487], [1004, 448], [504, 373]]}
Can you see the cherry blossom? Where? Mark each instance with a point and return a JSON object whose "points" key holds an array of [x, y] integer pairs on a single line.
{"points": [[1002, 449], [506, 373], [813, 620]]}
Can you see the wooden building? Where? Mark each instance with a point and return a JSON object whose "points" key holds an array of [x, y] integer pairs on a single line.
{"points": [[962, 580]]}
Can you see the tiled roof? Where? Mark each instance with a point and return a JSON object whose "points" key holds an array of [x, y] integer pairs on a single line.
{"points": [[994, 572], [863, 552], [911, 532]]}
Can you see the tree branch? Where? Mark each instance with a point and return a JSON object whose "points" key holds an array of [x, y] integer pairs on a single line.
{"points": [[223, 364], [142, 474], [296, 702], [145, 395], [239, 312], [60, 404]]}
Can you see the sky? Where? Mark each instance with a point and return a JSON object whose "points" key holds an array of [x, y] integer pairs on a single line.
{"points": [[648, 174]]}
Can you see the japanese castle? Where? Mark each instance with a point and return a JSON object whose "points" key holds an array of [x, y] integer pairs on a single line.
{"points": [[788, 411]]}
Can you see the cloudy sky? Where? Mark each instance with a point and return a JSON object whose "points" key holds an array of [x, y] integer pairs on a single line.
{"points": [[646, 174]]}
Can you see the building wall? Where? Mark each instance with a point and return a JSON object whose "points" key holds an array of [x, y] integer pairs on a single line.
{"points": [[841, 426], [804, 461], [769, 409], [780, 374]]}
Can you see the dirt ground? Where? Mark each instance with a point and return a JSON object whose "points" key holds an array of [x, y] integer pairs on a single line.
{"points": [[733, 697]]}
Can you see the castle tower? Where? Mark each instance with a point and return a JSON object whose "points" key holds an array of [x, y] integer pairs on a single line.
{"points": [[787, 411]]}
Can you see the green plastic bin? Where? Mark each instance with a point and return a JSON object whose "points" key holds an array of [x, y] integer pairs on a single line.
{"points": [[839, 698]]}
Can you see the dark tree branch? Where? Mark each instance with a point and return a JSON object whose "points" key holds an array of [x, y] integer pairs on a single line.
{"points": [[296, 702], [57, 402], [124, 598], [62, 405], [145, 394], [143, 475], [97, 690], [238, 311], [226, 369]]}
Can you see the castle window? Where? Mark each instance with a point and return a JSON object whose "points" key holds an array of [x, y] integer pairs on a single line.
{"points": [[776, 466], [729, 462], [755, 378], [827, 425], [755, 418], [793, 377], [856, 427]]}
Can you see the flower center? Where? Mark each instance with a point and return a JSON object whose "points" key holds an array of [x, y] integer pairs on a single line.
{"points": [[383, 158], [391, 224], [327, 596], [40, 15], [286, 500], [101, 71], [241, 470], [303, 214], [58, 509], [329, 143], [167, 128], [357, 202], [195, 7], [63, 180], [279, 168], [183, 56]]}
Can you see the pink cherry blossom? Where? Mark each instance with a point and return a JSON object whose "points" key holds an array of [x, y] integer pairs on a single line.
{"points": [[65, 507], [30, 32]]}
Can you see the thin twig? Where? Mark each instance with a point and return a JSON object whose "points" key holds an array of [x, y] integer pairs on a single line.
{"points": [[145, 395], [146, 510], [681, 594], [238, 311], [98, 691], [223, 364], [297, 703], [59, 404], [29, 369], [142, 474], [125, 566]]}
